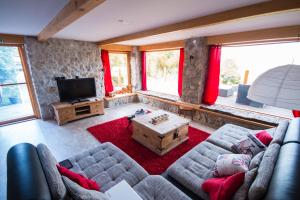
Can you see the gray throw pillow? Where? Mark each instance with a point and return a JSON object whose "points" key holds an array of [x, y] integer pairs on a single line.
{"points": [[255, 161], [79, 193], [55, 182], [264, 173], [249, 145]]}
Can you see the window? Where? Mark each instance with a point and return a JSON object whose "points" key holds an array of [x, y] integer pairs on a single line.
{"points": [[15, 102], [162, 71], [241, 65], [119, 70]]}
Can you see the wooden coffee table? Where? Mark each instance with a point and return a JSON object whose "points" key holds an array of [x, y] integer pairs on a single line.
{"points": [[162, 137]]}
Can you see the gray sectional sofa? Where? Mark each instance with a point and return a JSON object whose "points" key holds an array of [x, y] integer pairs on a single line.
{"points": [[274, 174]]}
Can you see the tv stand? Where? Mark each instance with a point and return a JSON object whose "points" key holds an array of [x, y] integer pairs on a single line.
{"points": [[69, 111], [79, 101]]}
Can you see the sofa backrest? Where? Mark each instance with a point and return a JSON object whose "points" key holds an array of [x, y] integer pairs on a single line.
{"points": [[293, 132], [285, 181]]}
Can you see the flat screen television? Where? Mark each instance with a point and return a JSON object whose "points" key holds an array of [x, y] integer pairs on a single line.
{"points": [[76, 89]]}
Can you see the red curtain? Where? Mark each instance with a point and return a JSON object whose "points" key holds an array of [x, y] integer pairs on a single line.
{"points": [[296, 113], [144, 71], [107, 74], [180, 71], [211, 88]]}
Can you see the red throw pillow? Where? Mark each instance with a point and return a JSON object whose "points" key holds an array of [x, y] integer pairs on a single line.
{"points": [[264, 137], [224, 187], [78, 178]]}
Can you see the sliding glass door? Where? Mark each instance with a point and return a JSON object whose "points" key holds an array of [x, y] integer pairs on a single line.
{"points": [[15, 99]]}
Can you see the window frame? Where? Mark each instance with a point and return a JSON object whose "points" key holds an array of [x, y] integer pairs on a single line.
{"points": [[159, 50], [28, 82], [245, 77], [128, 56]]}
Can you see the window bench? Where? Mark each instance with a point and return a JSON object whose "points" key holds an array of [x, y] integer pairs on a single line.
{"points": [[214, 116], [120, 99]]}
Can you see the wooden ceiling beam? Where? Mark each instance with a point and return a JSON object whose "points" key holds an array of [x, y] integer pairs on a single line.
{"points": [[269, 7], [116, 47], [11, 39], [162, 46], [288, 33], [71, 12]]}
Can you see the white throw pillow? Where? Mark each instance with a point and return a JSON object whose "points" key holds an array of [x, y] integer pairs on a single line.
{"points": [[229, 164], [249, 145]]}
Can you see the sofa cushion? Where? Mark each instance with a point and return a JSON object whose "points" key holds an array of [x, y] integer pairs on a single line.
{"points": [[108, 165], [249, 145], [79, 193], [242, 192], [193, 168], [279, 132], [264, 173], [229, 164], [78, 178], [264, 137], [224, 187], [54, 179], [228, 135], [157, 188]]}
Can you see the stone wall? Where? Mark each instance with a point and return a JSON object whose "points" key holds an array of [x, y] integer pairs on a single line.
{"points": [[195, 67], [158, 104], [58, 57], [136, 70]]}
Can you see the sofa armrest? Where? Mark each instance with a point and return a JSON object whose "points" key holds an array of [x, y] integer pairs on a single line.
{"points": [[25, 175]]}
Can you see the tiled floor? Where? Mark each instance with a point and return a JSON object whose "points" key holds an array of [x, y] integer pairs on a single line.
{"points": [[64, 141]]}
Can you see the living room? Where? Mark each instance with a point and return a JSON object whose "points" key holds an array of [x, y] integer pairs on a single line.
{"points": [[105, 95]]}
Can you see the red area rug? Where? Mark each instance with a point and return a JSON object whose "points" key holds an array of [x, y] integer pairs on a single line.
{"points": [[116, 132]]}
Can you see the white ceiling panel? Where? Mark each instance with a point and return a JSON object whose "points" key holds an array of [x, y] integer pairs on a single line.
{"points": [[120, 17], [103, 22], [27, 17]]}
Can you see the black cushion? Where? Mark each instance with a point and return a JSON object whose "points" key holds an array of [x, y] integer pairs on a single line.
{"points": [[25, 177], [285, 182], [293, 132]]}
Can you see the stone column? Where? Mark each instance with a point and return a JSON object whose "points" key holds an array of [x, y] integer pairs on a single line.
{"points": [[195, 67], [136, 73]]}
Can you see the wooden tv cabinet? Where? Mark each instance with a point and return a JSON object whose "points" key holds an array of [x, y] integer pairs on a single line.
{"points": [[66, 112]]}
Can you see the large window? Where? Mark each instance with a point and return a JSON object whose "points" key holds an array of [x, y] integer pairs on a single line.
{"points": [[15, 102], [241, 65], [119, 70], [162, 71]]}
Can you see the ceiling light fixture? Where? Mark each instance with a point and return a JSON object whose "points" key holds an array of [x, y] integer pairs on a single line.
{"points": [[122, 21]]}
